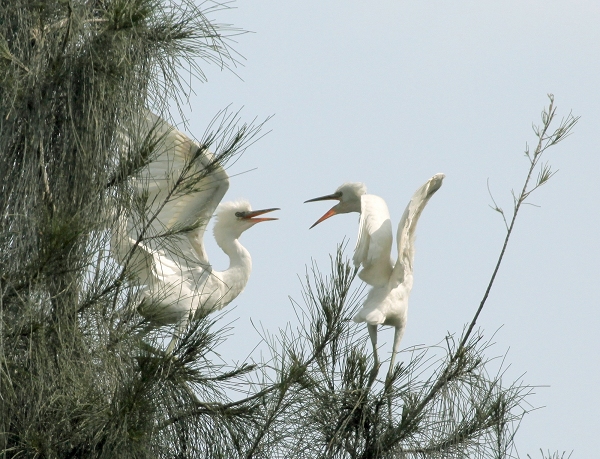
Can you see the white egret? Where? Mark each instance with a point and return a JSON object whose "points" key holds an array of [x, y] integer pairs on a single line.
{"points": [[374, 243], [387, 301], [182, 187]]}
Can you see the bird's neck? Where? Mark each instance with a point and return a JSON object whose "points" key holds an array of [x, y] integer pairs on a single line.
{"points": [[236, 276], [353, 205]]}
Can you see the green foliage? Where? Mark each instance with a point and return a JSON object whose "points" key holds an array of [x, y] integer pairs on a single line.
{"points": [[75, 376], [82, 374], [432, 406]]}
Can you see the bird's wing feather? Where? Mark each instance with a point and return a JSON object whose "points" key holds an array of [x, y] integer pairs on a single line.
{"points": [[374, 243], [135, 256], [405, 236], [168, 278], [183, 185]]}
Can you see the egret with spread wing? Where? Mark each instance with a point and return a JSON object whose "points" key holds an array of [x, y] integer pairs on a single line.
{"points": [[181, 188], [387, 301]]}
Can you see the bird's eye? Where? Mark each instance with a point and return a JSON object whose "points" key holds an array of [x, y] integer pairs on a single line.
{"points": [[239, 214]]}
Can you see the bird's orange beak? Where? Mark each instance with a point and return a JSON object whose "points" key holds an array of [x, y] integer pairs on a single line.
{"points": [[331, 212], [255, 213]]}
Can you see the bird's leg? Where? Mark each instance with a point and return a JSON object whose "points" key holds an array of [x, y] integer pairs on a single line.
{"points": [[398, 334], [373, 335], [176, 335], [171, 345]]}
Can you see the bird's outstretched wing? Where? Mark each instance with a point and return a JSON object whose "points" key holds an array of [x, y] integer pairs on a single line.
{"points": [[169, 285], [182, 186], [374, 243], [407, 228]]}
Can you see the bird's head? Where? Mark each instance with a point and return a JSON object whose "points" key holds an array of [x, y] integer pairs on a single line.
{"points": [[235, 217], [348, 195]]}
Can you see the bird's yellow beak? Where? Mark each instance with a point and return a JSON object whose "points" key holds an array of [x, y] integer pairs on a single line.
{"points": [[250, 216]]}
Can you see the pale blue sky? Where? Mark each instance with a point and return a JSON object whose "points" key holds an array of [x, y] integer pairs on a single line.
{"points": [[391, 92]]}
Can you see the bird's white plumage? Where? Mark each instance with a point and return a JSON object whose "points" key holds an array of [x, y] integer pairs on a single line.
{"points": [[181, 188], [375, 237], [388, 304], [387, 301], [182, 160], [374, 242], [405, 237]]}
